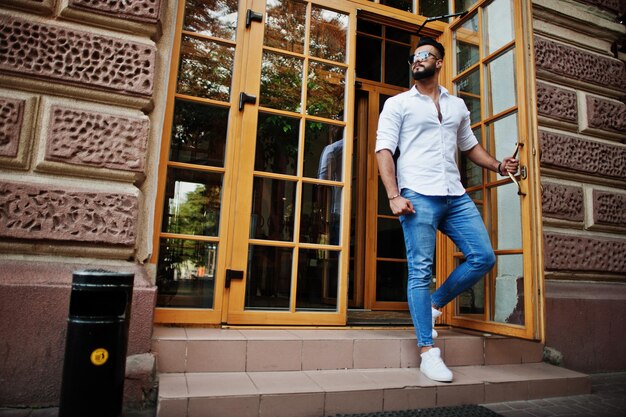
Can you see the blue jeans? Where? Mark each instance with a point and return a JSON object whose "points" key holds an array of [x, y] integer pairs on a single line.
{"points": [[458, 218]]}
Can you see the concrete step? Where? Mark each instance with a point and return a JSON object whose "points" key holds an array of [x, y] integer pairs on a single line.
{"points": [[318, 393], [195, 350]]}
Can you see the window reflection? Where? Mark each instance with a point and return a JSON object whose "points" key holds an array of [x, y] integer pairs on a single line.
{"points": [[498, 25], [328, 34], [272, 209], [501, 83], [268, 281], [471, 174], [318, 280], [406, 5], [192, 202], [391, 281], [198, 134], [186, 273], [431, 8], [323, 147], [368, 58], [467, 41], [468, 88], [205, 69], [217, 18], [326, 89], [509, 297], [508, 221], [285, 25], [281, 82], [321, 214], [277, 144]]}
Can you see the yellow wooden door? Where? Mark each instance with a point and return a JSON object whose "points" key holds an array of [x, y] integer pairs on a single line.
{"points": [[489, 70], [288, 261]]}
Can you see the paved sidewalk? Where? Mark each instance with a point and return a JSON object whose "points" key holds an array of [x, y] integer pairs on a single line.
{"points": [[607, 399]]}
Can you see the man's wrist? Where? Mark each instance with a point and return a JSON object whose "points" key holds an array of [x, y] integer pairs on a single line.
{"points": [[499, 169], [393, 196]]}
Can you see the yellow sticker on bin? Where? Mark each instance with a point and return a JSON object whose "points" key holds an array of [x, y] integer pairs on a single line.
{"points": [[99, 356]]}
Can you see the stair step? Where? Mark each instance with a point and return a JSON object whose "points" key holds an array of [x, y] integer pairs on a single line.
{"points": [[193, 350], [318, 393]]}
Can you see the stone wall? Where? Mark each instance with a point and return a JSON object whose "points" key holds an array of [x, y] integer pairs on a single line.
{"points": [[78, 84], [581, 107]]}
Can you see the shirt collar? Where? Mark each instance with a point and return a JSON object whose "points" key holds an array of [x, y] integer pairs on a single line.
{"points": [[415, 92]]}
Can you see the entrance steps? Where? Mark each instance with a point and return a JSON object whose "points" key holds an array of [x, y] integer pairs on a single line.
{"points": [[315, 373]]}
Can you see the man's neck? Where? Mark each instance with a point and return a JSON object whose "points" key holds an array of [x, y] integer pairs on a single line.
{"points": [[428, 87]]}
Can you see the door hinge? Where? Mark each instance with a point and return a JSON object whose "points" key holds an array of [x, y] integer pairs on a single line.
{"points": [[252, 16], [245, 99], [232, 274]]}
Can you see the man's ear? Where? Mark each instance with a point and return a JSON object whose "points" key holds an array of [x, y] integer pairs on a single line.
{"points": [[439, 63]]}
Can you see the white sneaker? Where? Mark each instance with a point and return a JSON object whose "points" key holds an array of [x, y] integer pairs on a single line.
{"points": [[433, 367], [436, 313]]}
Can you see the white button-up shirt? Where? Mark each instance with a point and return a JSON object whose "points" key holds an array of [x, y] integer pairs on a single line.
{"points": [[427, 162]]}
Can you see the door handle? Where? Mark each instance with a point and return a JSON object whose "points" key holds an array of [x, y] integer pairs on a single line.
{"points": [[232, 274], [245, 99], [252, 16]]}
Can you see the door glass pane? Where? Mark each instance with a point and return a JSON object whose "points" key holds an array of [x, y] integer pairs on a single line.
{"points": [[477, 198], [471, 174], [468, 88], [509, 296], [272, 209], [372, 28], [205, 69], [466, 44], [368, 58], [462, 5], [268, 281], [329, 32], [498, 25], [281, 81], [390, 239], [398, 35], [391, 281], [501, 90], [212, 18], [186, 273], [406, 5], [192, 202], [285, 25], [323, 150], [506, 218], [326, 90], [502, 136], [472, 300], [318, 280], [198, 134], [277, 144], [430, 8], [396, 70], [320, 214]]}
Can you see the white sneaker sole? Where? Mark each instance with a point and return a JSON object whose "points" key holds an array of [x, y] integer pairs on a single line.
{"points": [[438, 379]]}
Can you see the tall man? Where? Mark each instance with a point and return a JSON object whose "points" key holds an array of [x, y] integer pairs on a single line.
{"points": [[427, 124]]}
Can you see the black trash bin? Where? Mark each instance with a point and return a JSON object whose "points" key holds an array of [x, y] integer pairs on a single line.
{"points": [[96, 344]]}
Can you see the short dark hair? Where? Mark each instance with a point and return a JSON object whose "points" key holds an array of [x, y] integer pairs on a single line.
{"points": [[432, 42]]}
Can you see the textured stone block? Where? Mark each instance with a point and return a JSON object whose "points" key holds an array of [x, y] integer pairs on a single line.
{"points": [[557, 103], [609, 208], [584, 156], [139, 10], [37, 6], [579, 65], [606, 114], [33, 211], [11, 116], [584, 254], [59, 54], [562, 202], [92, 138]]}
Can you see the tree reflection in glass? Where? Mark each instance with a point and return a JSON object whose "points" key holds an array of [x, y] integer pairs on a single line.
{"points": [[326, 90], [281, 82], [285, 25], [205, 69], [328, 34], [217, 18]]}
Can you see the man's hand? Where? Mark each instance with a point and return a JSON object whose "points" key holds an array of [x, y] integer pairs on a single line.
{"points": [[510, 165], [401, 206]]}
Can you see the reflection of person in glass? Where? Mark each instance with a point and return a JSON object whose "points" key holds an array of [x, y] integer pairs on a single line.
{"points": [[427, 125], [330, 168]]}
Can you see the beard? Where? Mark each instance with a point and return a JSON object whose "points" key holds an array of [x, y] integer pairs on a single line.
{"points": [[427, 72]]}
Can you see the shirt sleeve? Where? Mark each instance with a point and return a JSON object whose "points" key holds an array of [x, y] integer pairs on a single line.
{"points": [[465, 137], [389, 125]]}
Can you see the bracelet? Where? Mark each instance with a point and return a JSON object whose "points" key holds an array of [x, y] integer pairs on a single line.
{"points": [[393, 196], [499, 166]]}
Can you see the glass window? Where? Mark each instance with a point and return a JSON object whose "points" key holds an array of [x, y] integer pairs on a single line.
{"points": [[467, 44], [329, 32], [273, 204], [498, 25], [212, 18], [277, 144], [430, 8], [368, 58], [268, 281], [501, 83], [509, 294], [318, 280], [281, 81], [285, 25]]}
